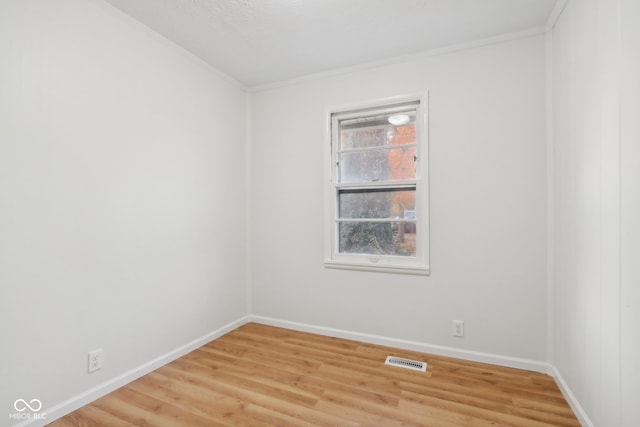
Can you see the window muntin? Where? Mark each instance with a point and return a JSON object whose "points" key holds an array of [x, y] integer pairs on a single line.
{"points": [[378, 196]]}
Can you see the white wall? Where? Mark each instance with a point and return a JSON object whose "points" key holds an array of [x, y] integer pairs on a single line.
{"points": [[488, 204], [122, 204], [630, 211], [597, 207]]}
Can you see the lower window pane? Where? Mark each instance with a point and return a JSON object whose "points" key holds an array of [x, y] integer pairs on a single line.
{"points": [[377, 238], [399, 203]]}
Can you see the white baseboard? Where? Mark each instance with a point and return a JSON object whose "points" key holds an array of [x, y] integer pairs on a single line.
{"points": [[571, 399], [76, 402], [475, 356]]}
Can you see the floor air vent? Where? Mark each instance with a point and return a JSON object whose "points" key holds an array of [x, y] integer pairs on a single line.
{"points": [[406, 363]]}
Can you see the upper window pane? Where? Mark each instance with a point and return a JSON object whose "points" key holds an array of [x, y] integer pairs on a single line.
{"points": [[377, 148], [378, 131], [377, 165]]}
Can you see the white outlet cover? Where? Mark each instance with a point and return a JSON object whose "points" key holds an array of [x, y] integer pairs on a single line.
{"points": [[95, 360], [458, 328]]}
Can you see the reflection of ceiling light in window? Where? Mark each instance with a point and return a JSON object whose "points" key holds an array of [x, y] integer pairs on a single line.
{"points": [[399, 119]]}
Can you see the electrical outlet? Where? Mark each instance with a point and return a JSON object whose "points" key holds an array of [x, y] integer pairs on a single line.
{"points": [[95, 360], [458, 328]]}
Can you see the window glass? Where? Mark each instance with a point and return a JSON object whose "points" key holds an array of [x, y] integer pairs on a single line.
{"points": [[377, 203], [390, 164], [378, 238]]}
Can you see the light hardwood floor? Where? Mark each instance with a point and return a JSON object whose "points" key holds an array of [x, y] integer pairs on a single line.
{"points": [[259, 375]]}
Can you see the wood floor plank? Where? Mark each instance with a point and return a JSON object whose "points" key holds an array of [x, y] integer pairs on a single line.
{"points": [[259, 375], [140, 409], [199, 375], [478, 414], [90, 416], [197, 400]]}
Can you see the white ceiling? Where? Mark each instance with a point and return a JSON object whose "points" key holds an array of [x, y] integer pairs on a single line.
{"points": [[260, 42]]}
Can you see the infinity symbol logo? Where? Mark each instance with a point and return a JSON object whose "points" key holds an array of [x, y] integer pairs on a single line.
{"points": [[21, 405]]}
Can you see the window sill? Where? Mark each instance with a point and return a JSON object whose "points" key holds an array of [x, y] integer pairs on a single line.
{"points": [[397, 269]]}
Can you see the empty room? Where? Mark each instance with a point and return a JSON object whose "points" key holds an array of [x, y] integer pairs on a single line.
{"points": [[336, 212]]}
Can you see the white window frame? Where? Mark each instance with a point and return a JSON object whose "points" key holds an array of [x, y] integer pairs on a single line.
{"points": [[418, 264]]}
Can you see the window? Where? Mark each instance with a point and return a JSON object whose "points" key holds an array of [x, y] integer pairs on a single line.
{"points": [[377, 197]]}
